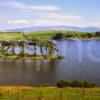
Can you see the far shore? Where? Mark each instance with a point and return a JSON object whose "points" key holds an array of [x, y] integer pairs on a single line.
{"points": [[84, 39]]}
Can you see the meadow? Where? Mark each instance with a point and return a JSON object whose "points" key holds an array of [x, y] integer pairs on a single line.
{"points": [[48, 93], [48, 34], [9, 36]]}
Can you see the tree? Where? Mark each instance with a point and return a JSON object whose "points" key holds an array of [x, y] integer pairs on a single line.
{"points": [[35, 44], [60, 36], [13, 44], [41, 44], [4, 47], [3, 51], [69, 36], [83, 36], [22, 45], [51, 47], [89, 35], [35, 41], [97, 34]]}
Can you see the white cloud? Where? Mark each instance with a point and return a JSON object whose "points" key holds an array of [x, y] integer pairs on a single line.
{"points": [[62, 16], [17, 22], [53, 22], [25, 7], [33, 15]]}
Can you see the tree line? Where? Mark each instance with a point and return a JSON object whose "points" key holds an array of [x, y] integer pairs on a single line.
{"points": [[46, 46], [62, 36]]}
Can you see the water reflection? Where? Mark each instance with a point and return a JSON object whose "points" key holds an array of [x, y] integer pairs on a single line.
{"points": [[36, 72]]}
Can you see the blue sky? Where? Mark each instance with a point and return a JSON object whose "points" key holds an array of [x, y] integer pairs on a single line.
{"points": [[30, 13]]}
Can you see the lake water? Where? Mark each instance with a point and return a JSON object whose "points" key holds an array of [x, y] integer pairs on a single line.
{"points": [[82, 62]]}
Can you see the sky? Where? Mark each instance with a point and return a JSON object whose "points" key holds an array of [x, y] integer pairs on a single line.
{"points": [[31, 13]]}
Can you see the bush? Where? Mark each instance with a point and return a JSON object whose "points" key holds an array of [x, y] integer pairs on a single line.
{"points": [[75, 83], [89, 35], [63, 83], [61, 57], [59, 85], [59, 36], [97, 34], [88, 84]]}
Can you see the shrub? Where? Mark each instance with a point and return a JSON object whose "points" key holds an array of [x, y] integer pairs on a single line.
{"points": [[61, 57], [89, 35], [59, 85], [60, 36], [63, 83], [75, 83], [70, 36], [88, 84], [97, 34]]}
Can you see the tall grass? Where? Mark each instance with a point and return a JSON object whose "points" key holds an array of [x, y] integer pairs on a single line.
{"points": [[48, 93]]}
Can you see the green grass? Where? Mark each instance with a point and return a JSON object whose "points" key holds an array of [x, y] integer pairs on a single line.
{"points": [[9, 36], [48, 34], [30, 57], [48, 93]]}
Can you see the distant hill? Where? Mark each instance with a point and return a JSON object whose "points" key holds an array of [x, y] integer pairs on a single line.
{"points": [[42, 28]]}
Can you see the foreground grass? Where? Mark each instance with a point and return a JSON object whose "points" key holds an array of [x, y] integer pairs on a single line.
{"points": [[30, 57], [48, 93]]}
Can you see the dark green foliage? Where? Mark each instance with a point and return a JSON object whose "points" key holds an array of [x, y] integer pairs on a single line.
{"points": [[60, 36], [61, 57], [89, 35], [70, 36], [75, 83], [63, 83], [97, 34], [47, 46], [88, 84]]}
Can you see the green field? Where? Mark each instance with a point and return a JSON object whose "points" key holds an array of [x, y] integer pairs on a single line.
{"points": [[48, 34], [9, 36], [48, 93], [51, 33], [41, 34]]}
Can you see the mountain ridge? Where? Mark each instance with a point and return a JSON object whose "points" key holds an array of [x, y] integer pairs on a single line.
{"points": [[43, 28]]}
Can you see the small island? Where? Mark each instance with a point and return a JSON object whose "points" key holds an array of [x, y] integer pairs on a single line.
{"points": [[16, 45], [28, 49]]}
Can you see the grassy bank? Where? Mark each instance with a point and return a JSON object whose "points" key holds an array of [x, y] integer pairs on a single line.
{"points": [[48, 93], [37, 57]]}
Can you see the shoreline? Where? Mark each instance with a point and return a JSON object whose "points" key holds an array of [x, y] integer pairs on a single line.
{"points": [[38, 57], [89, 39]]}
